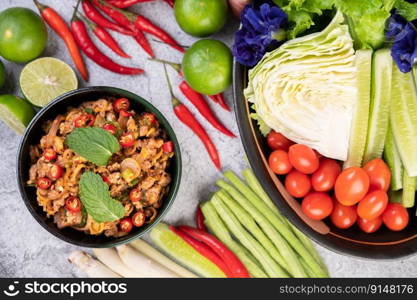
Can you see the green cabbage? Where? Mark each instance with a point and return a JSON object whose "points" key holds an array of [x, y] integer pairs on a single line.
{"points": [[306, 89]]}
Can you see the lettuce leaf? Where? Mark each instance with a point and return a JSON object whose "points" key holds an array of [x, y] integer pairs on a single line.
{"points": [[264, 129], [406, 9]]}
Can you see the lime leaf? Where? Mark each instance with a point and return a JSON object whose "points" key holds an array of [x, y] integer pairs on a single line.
{"points": [[95, 196], [93, 143]]}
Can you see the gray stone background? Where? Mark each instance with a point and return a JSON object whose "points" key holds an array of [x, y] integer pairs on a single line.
{"points": [[27, 250]]}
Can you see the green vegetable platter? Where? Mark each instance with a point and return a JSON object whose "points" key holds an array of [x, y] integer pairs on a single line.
{"points": [[325, 95]]}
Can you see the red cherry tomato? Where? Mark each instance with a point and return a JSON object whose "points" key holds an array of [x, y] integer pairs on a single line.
{"points": [[379, 174], [303, 158], [138, 218], [55, 172], [168, 147], [297, 184], [395, 217], [49, 154], [73, 204], [343, 216], [317, 205], [135, 195], [43, 183], [84, 120], [370, 226], [121, 104], [279, 162], [126, 225], [127, 139], [276, 141], [351, 186], [125, 113], [324, 178], [373, 205], [110, 128]]}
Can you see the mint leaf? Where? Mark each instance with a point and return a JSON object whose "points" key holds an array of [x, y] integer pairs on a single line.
{"points": [[95, 196], [93, 143]]}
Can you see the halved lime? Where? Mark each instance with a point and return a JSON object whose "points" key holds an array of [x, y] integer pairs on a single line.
{"points": [[46, 78], [15, 112]]}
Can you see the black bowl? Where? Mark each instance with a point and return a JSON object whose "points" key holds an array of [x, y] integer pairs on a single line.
{"points": [[32, 136], [384, 244]]}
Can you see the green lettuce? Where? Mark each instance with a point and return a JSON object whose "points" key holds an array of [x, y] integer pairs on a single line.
{"points": [[406, 9]]}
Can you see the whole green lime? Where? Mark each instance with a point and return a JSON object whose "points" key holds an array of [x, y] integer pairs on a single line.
{"points": [[201, 18], [23, 34], [207, 67], [2, 74]]}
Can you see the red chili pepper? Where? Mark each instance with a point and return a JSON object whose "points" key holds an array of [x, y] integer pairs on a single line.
{"points": [[127, 139], [105, 37], [58, 24], [138, 219], [49, 154], [106, 179], [117, 15], [55, 172], [200, 103], [73, 204], [110, 128], [121, 104], [187, 118], [170, 2], [126, 225], [221, 101], [168, 147], [204, 250], [126, 3], [84, 120], [43, 183], [88, 47], [125, 114], [200, 219], [94, 15], [232, 261]]}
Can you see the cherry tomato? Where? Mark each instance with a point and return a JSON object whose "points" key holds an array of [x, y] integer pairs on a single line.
{"points": [[373, 205], [138, 218], [303, 158], [279, 162], [127, 139], [126, 225], [84, 120], [125, 113], [351, 186], [43, 183], [370, 226], [49, 154], [297, 184], [55, 172], [276, 141], [317, 205], [110, 128], [324, 178], [343, 216], [395, 217], [121, 104], [379, 174], [73, 204], [168, 147], [135, 195]]}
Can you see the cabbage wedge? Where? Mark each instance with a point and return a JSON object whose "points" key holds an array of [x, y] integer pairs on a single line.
{"points": [[307, 89]]}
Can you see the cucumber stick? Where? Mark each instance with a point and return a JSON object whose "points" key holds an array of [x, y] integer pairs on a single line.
{"points": [[177, 248], [380, 104], [409, 190], [404, 118], [358, 134], [395, 196], [393, 159]]}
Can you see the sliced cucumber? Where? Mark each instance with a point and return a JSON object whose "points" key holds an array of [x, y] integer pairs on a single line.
{"points": [[393, 159], [178, 249], [380, 104], [357, 140], [409, 190], [404, 118]]}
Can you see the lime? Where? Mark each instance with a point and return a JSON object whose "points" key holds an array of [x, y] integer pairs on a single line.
{"points": [[207, 67], [23, 34], [2, 75], [46, 78], [201, 17], [15, 112]]}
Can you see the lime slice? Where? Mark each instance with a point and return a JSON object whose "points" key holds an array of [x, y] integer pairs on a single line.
{"points": [[46, 78], [15, 112], [393, 159], [357, 141], [380, 104], [178, 249]]}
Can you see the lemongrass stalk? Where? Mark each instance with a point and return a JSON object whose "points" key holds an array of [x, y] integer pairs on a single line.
{"points": [[152, 253], [92, 267], [110, 258]]}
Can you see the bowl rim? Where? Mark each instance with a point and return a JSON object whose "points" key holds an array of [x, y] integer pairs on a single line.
{"points": [[256, 162], [174, 185]]}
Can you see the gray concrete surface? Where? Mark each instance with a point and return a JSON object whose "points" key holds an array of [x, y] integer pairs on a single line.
{"points": [[27, 250]]}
